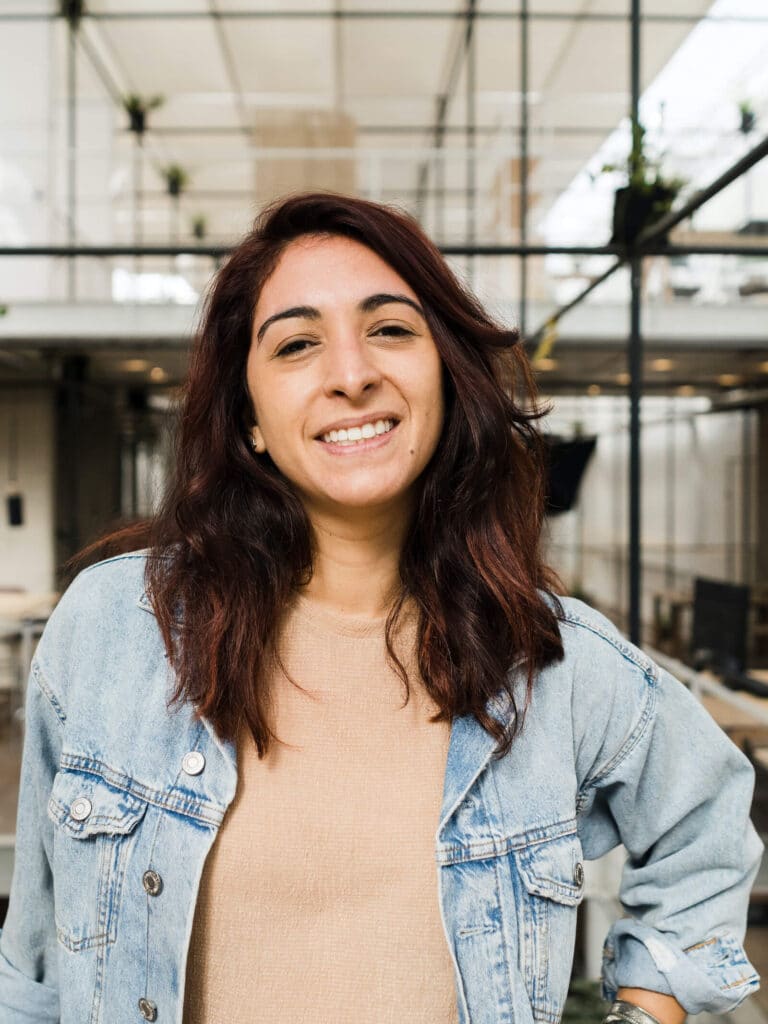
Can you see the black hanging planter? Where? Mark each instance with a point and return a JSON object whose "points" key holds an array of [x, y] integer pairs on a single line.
{"points": [[137, 121], [636, 208], [72, 11]]}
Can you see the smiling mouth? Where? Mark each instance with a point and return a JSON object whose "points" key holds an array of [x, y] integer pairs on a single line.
{"points": [[361, 435]]}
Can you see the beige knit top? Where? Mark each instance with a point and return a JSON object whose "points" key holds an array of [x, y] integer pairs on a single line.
{"points": [[318, 902]]}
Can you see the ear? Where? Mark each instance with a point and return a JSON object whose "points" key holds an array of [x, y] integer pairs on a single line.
{"points": [[257, 440]]}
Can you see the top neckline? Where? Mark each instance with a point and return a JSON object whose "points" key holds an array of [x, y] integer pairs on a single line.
{"points": [[340, 623]]}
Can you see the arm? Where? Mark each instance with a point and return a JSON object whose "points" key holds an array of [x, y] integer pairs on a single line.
{"points": [[678, 795], [656, 774], [28, 975]]}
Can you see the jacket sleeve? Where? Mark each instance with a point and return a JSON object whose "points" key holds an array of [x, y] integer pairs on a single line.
{"points": [[28, 944], [661, 777]]}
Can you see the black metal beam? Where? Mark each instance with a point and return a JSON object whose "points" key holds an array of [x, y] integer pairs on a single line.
{"points": [[403, 129], [635, 368], [103, 251], [470, 61], [524, 136], [438, 129], [72, 33], [395, 13], [229, 66]]}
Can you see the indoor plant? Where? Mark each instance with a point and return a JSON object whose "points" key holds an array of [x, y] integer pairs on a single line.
{"points": [[647, 196]]}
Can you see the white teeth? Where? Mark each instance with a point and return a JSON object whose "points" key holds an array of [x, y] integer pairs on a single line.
{"points": [[356, 434]]}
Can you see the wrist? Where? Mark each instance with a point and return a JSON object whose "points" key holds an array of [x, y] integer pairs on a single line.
{"points": [[624, 1012]]}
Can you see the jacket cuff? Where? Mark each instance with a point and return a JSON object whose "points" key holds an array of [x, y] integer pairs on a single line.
{"points": [[711, 976]]}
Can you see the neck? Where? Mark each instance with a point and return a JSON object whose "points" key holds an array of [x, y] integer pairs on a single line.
{"points": [[356, 562]]}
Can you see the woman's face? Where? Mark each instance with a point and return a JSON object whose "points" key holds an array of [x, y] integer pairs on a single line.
{"points": [[339, 344]]}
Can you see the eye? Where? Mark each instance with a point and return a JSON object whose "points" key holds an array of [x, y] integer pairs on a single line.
{"points": [[293, 346], [394, 331]]}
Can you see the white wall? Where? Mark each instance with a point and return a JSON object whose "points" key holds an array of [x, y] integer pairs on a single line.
{"points": [[26, 552], [692, 500]]}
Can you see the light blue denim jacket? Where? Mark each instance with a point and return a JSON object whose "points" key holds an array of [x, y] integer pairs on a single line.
{"points": [[121, 800]]}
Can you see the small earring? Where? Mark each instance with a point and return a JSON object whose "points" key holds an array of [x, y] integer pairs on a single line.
{"points": [[257, 442]]}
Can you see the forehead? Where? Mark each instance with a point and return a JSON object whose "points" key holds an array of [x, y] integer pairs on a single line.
{"points": [[316, 269]]}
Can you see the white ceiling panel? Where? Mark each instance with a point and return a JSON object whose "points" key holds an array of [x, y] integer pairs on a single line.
{"points": [[404, 5], [263, 6], [391, 58], [197, 110], [167, 57], [291, 56], [150, 6], [407, 110]]}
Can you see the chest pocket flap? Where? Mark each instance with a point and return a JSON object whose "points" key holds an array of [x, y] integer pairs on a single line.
{"points": [[95, 830], [84, 805]]}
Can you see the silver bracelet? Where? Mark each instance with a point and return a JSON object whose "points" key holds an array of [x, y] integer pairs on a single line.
{"points": [[623, 1012]]}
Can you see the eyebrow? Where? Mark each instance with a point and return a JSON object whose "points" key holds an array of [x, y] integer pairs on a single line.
{"points": [[369, 305]]}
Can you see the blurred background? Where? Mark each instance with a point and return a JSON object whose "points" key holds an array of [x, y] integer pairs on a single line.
{"points": [[594, 169]]}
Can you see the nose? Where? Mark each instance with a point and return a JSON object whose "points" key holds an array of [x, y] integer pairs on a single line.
{"points": [[350, 367]]}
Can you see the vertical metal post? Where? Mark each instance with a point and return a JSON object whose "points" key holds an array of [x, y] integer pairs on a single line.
{"points": [[746, 496], [635, 360], [71, 155], [669, 495], [138, 160], [471, 134], [440, 194], [523, 174]]}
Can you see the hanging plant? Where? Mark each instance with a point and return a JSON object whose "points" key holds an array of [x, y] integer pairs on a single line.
{"points": [[137, 108], [176, 179], [72, 11], [647, 196], [747, 117], [199, 227]]}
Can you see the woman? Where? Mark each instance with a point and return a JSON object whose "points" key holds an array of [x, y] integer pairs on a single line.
{"points": [[330, 748]]}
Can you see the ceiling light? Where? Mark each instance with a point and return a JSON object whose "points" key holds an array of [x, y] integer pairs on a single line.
{"points": [[763, 367], [157, 373], [594, 389], [133, 365], [622, 378], [728, 379], [685, 389], [545, 363], [662, 364]]}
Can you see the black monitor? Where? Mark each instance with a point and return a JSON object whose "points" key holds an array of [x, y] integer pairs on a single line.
{"points": [[720, 626]]}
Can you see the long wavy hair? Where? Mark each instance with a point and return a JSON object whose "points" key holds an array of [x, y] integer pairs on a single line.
{"points": [[231, 543]]}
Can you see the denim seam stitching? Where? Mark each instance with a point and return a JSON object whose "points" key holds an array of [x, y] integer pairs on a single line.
{"points": [[187, 807], [47, 691]]}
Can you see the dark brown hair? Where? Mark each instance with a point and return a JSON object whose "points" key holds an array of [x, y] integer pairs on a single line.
{"points": [[232, 543]]}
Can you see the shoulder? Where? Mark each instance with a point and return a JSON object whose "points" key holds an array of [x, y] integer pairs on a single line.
{"points": [[588, 634], [101, 611]]}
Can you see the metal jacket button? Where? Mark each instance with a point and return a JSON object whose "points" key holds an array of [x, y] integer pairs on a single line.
{"points": [[578, 874], [152, 883], [147, 1009], [81, 808], [193, 762]]}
